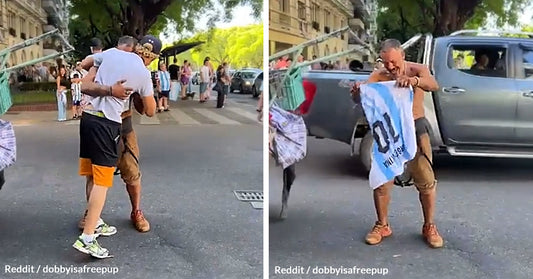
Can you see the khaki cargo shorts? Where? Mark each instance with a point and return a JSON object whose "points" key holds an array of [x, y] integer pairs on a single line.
{"points": [[421, 167], [128, 162]]}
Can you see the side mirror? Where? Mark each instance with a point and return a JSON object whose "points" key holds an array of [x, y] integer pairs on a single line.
{"points": [[356, 66]]}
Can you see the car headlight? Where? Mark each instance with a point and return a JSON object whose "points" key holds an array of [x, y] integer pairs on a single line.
{"points": [[247, 83]]}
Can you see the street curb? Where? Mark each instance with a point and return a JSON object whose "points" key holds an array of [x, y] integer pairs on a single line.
{"points": [[35, 107]]}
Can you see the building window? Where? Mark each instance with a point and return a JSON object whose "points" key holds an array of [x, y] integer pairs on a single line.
{"points": [[284, 6], [22, 25], [37, 31], [11, 20], [315, 12], [302, 13]]}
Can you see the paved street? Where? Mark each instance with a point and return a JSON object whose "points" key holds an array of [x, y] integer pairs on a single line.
{"points": [[199, 228], [484, 213]]}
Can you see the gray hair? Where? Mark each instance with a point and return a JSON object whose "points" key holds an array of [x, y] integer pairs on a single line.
{"points": [[389, 44], [127, 41]]}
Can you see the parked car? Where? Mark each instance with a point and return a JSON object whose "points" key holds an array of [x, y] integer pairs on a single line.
{"points": [[243, 80], [258, 85], [480, 113]]}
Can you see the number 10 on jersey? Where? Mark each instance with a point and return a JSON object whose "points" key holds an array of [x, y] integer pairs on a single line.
{"points": [[383, 136]]}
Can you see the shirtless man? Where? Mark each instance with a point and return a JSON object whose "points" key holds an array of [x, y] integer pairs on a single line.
{"points": [[418, 76]]}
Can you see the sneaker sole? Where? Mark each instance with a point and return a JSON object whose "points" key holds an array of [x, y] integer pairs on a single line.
{"points": [[105, 234], [87, 252]]}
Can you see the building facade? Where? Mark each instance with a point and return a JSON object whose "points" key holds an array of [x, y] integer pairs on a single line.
{"points": [[25, 19], [21, 20], [58, 17], [293, 22]]}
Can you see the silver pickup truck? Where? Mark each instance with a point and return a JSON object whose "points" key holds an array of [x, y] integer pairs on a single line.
{"points": [[484, 107]]}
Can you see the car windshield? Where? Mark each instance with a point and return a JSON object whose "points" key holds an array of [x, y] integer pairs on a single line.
{"points": [[248, 75]]}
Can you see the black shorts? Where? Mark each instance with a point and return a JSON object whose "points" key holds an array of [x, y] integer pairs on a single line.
{"points": [[164, 93], [99, 139]]}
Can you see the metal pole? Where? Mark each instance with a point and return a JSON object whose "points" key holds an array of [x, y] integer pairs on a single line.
{"points": [[35, 61], [308, 43], [411, 41], [29, 42]]}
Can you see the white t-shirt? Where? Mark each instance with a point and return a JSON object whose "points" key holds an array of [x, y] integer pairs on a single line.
{"points": [[204, 74], [114, 65]]}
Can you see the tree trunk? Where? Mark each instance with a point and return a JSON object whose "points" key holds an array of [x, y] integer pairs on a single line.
{"points": [[141, 15], [452, 15]]}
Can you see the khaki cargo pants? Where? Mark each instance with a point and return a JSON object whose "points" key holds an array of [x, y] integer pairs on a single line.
{"points": [[128, 162], [421, 166]]}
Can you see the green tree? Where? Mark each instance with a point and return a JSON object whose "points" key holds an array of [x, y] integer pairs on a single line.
{"points": [[239, 46], [401, 19], [110, 19]]}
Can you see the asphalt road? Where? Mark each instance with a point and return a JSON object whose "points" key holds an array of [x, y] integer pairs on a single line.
{"points": [[199, 228], [484, 214]]}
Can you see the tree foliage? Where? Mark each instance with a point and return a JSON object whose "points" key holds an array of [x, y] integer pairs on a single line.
{"points": [[110, 19], [401, 19], [239, 46]]}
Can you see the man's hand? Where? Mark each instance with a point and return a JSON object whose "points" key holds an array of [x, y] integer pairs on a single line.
{"points": [[356, 89], [120, 91], [405, 81]]}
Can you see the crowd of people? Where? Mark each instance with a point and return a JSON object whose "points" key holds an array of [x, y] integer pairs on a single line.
{"points": [[285, 62]]}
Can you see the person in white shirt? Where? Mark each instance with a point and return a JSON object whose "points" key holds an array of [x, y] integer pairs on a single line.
{"points": [[205, 80], [100, 129]]}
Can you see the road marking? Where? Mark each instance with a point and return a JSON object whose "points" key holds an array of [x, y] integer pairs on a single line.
{"points": [[73, 122], [217, 117], [182, 118], [145, 120], [244, 113]]}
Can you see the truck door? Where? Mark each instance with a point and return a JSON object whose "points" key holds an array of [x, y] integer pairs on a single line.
{"points": [[476, 100], [524, 83]]}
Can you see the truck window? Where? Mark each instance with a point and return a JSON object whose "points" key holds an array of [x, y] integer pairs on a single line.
{"points": [[487, 61], [527, 63]]}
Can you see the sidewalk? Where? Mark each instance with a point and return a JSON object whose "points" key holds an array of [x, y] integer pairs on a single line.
{"points": [[28, 118]]}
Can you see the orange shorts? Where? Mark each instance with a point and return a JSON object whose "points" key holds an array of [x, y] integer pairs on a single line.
{"points": [[102, 175]]}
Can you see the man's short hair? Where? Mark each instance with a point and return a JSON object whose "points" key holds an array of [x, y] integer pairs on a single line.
{"points": [[389, 44], [127, 41], [96, 44]]}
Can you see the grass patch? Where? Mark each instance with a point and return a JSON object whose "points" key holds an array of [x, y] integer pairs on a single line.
{"points": [[36, 97]]}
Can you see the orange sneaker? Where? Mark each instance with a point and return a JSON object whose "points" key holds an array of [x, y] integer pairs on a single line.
{"points": [[431, 235], [378, 232], [139, 222]]}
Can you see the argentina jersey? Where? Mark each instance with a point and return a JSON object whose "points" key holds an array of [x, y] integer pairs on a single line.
{"points": [[389, 112]]}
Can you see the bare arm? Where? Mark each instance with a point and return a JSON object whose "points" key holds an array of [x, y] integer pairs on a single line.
{"points": [[144, 105], [87, 63], [426, 81], [98, 90]]}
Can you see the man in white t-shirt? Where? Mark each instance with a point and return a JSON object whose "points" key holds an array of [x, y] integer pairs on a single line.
{"points": [[205, 79], [100, 128]]}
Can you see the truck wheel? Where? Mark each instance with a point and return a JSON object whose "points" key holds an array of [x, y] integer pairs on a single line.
{"points": [[365, 151]]}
